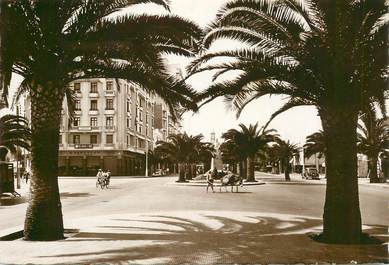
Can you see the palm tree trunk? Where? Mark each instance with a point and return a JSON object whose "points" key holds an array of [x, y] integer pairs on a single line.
{"points": [[244, 169], [44, 213], [189, 171], [373, 169], [250, 169], [181, 172], [286, 169], [342, 216]]}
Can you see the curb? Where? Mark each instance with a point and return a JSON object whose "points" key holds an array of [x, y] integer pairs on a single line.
{"points": [[204, 184]]}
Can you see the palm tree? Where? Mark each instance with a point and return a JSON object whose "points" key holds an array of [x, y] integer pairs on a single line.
{"points": [[315, 144], [373, 138], [51, 43], [14, 133], [185, 150], [284, 151], [248, 141], [328, 54]]}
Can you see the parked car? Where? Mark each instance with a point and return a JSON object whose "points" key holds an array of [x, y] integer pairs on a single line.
{"points": [[158, 173], [311, 173]]}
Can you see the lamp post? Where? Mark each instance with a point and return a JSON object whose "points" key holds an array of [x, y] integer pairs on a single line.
{"points": [[147, 159]]}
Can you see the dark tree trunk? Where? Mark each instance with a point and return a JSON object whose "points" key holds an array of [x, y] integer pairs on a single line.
{"points": [[189, 171], [286, 169], [250, 169], [342, 216], [373, 169], [244, 169], [44, 213], [181, 172]]}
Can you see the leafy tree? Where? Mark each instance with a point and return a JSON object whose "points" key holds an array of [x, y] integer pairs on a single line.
{"points": [[328, 54], [373, 138], [245, 143], [51, 43]]}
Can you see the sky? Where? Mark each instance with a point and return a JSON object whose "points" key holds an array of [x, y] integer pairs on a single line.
{"points": [[216, 116]]}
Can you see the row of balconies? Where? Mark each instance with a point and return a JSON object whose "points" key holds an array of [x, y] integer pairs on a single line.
{"points": [[107, 93]]}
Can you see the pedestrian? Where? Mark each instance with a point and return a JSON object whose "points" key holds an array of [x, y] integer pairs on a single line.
{"points": [[99, 176], [210, 178], [26, 176], [107, 177]]}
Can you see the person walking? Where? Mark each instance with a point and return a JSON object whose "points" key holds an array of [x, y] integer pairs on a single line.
{"points": [[210, 179], [99, 177]]}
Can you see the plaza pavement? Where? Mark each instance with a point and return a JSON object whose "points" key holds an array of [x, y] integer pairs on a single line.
{"points": [[151, 221]]}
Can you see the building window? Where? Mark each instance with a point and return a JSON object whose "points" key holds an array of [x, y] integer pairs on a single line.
{"points": [[141, 101], [139, 128], [132, 140], [76, 121], [60, 139], [93, 122], [77, 105], [109, 121], [109, 103], [93, 105], [109, 85], [140, 115], [93, 87], [128, 123], [109, 139], [76, 139], [128, 142], [93, 139], [77, 87], [128, 106], [147, 118]]}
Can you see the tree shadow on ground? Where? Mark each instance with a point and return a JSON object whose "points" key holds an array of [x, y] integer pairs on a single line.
{"points": [[75, 194], [267, 240]]}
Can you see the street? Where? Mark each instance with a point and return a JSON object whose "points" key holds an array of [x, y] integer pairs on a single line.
{"points": [[293, 208]]}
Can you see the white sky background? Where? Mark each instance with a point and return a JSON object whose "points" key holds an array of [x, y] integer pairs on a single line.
{"points": [[293, 125], [216, 117]]}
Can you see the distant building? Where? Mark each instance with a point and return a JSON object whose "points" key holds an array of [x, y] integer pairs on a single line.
{"points": [[112, 128]]}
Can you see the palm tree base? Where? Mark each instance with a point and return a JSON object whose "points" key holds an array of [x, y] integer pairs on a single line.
{"points": [[251, 180], [365, 239], [182, 181], [374, 180]]}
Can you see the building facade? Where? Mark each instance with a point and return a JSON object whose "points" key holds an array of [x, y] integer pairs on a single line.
{"points": [[112, 128]]}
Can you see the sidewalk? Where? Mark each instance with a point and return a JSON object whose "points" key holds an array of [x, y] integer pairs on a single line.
{"points": [[297, 179], [192, 237]]}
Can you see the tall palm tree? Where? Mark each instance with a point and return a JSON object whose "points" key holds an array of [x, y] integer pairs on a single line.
{"points": [[284, 151], [328, 54], [373, 138], [314, 144], [248, 141], [51, 43], [14, 133]]}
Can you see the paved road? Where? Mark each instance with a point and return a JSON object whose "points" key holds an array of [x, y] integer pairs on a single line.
{"points": [[152, 221], [80, 198]]}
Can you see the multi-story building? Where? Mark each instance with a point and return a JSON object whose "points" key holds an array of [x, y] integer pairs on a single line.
{"points": [[112, 128], [164, 124]]}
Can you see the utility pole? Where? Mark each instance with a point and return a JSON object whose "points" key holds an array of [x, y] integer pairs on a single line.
{"points": [[303, 161]]}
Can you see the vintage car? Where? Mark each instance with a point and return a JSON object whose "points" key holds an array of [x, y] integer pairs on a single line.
{"points": [[311, 173]]}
